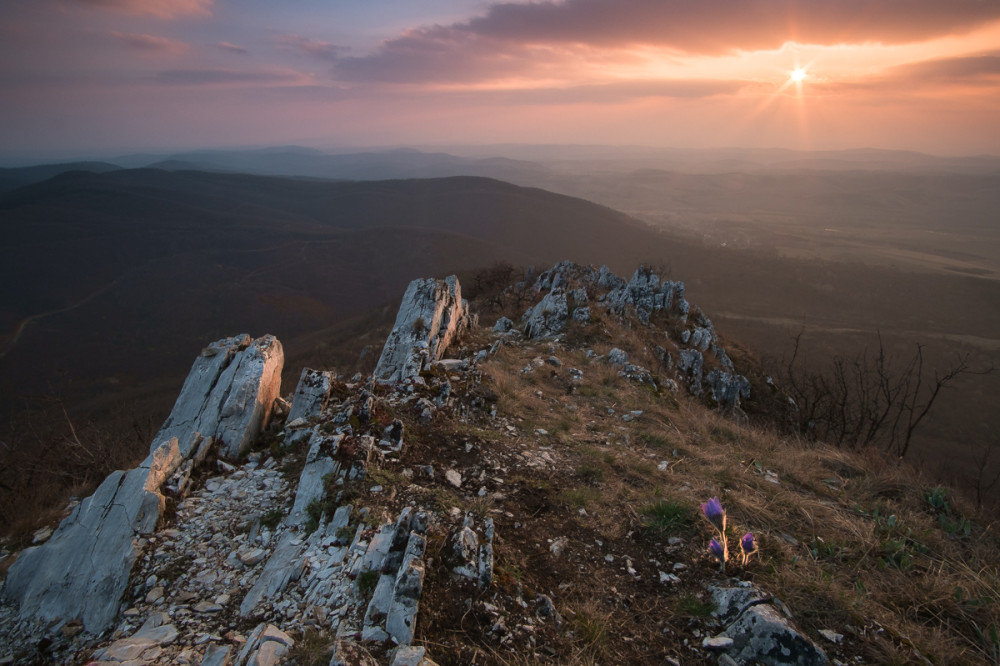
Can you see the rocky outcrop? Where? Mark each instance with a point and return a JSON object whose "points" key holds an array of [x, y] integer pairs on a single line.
{"points": [[81, 573], [228, 395], [645, 293], [689, 331], [548, 317], [311, 394], [431, 316]]}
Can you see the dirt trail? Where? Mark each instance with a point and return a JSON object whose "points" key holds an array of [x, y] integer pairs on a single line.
{"points": [[35, 317]]}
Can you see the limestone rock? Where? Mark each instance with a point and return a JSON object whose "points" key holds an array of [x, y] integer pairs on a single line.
{"points": [[727, 388], [311, 394], [430, 317], [760, 633], [319, 464], [228, 395], [503, 325], [617, 357], [82, 570], [285, 564], [411, 655], [644, 292], [216, 655], [548, 317]]}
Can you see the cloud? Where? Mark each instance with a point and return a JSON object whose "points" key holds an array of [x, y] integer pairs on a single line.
{"points": [[936, 75], [232, 48], [441, 56], [201, 77], [313, 48], [151, 43], [165, 9], [717, 26], [513, 38], [951, 70], [622, 91]]}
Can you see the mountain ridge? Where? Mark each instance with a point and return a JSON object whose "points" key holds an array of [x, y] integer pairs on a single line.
{"points": [[354, 532]]}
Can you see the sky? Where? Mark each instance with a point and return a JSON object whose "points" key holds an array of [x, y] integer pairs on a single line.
{"points": [[102, 77]]}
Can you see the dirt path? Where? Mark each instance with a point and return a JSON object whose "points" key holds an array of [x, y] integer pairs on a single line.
{"points": [[27, 320]]}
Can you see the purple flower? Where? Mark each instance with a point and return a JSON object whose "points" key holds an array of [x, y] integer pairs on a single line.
{"points": [[748, 546], [717, 550], [715, 513]]}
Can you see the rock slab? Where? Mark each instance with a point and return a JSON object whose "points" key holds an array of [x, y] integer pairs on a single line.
{"points": [[430, 317], [228, 395]]}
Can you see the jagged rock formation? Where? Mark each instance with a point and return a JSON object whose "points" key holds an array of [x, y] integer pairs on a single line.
{"points": [[431, 315], [645, 295], [333, 525], [81, 573], [227, 395], [548, 317]]}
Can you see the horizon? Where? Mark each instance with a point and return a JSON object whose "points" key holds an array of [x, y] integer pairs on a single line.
{"points": [[117, 77], [472, 151]]}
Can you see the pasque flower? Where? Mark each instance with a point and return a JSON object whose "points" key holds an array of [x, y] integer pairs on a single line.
{"points": [[715, 514], [749, 546], [718, 551]]}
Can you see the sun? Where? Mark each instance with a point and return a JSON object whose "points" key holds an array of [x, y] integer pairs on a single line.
{"points": [[798, 75]]}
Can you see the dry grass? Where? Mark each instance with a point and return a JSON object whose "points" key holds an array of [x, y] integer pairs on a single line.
{"points": [[850, 542]]}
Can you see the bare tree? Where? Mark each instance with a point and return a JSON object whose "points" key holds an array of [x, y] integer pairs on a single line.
{"points": [[869, 400]]}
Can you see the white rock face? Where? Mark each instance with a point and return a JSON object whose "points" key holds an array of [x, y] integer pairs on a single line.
{"points": [[228, 395], [311, 394], [548, 317], [81, 572], [430, 317]]}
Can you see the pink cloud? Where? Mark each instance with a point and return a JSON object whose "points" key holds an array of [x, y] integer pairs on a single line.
{"points": [[232, 48], [222, 77], [313, 48], [165, 9], [151, 43]]}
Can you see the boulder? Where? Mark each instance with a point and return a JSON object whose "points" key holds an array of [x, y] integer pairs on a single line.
{"points": [[728, 388], [311, 394], [430, 317], [548, 317], [82, 571], [312, 483], [759, 632], [762, 635], [503, 325], [228, 395], [618, 357], [581, 315]]}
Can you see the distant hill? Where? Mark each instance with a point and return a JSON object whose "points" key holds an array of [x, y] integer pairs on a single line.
{"points": [[115, 280], [372, 165], [122, 276], [11, 179]]}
